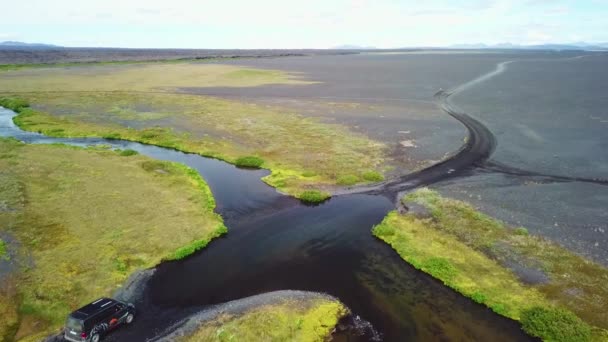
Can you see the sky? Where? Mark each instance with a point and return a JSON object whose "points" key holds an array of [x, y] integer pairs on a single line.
{"points": [[302, 24]]}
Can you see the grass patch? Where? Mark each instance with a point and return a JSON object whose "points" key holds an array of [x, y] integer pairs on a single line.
{"points": [[314, 196], [555, 325], [347, 180], [249, 161], [135, 211], [373, 176], [439, 268], [291, 146], [289, 320], [15, 104], [128, 152], [139, 77], [4, 251], [8, 312], [197, 245], [468, 251], [199, 60]]}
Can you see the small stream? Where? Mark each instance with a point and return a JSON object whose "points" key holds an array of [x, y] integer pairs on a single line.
{"points": [[275, 242]]}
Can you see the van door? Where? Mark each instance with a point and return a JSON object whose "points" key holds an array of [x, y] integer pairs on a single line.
{"points": [[115, 316], [122, 312]]}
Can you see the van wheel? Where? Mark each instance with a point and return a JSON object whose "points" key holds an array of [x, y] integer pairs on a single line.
{"points": [[95, 337], [129, 318]]}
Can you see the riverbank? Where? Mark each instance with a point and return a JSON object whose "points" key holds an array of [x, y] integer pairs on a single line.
{"points": [[302, 153], [274, 316], [68, 56], [555, 294], [83, 220]]}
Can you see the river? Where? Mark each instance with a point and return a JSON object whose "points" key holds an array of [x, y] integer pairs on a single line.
{"points": [[275, 242]]}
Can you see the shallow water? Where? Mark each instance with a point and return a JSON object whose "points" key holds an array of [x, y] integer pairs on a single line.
{"points": [[275, 242]]}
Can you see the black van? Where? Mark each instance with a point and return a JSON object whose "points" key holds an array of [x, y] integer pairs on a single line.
{"points": [[92, 321]]}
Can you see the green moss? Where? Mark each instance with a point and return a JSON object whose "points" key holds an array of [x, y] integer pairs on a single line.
{"points": [[469, 251], [8, 312], [249, 161], [289, 320], [439, 268], [121, 265], [142, 77], [198, 60], [373, 176], [79, 197], [478, 297], [314, 196], [455, 264], [15, 104], [301, 152], [115, 136], [384, 230], [248, 74], [500, 308], [3, 251], [347, 180], [557, 325], [128, 152], [14, 67], [196, 245]]}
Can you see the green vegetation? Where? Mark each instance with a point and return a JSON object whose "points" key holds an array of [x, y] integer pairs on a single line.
{"points": [[348, 180], [249, 161], [455, 264], [146, 102], [15, 104], [178, 60], [373, 176], [3, 251], [128, 152], [314, 196], [13, 67], [197, 245], [289, 320], [301, 152], [468, 251], [555, 325], [63, 200], [138, 77], [8, 312]]}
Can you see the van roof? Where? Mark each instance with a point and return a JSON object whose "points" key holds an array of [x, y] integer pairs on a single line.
{"points": [[93, 308]]}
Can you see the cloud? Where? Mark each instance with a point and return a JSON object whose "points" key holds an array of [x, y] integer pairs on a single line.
{"points": [[558, 10], [312, 23], [7, 36]]}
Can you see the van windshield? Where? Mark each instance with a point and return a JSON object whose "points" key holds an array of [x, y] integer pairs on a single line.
{"points": [[74, 324]]}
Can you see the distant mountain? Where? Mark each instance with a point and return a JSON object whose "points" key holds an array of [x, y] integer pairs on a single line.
{"points": [[572, 46], [469, 46], [353, 47], [26, 45]]}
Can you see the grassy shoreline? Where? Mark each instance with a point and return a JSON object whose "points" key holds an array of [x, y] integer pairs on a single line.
{"points": [[354, 159], [305, 320], [61, 200], [153, 103], [16, 66], [471, 253]]}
